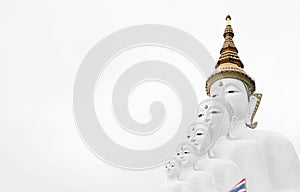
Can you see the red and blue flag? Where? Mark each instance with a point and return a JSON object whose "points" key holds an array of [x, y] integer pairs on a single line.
{"points": [[240, 186]]}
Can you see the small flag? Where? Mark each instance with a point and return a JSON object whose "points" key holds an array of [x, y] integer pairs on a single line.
{"points": [[240, 187]]}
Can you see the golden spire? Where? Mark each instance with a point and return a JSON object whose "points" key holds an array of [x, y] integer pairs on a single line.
{"points": [[229, 64], [229, 53]]}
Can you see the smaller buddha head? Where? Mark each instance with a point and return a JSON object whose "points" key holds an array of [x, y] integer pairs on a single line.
{"points": [[196, 133], [187, 154], [234, 92], [237, 94], [173, 168], [219, 115]]}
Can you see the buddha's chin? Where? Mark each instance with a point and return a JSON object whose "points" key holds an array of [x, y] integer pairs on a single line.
{"points": [[171, 175], [183, 160], [194, 142], [168, 172]]}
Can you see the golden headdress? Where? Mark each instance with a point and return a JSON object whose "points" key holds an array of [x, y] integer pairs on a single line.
{"points": [[229, 64]]}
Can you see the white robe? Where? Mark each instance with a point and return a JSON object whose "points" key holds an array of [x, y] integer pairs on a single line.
{"points": [[249, 156]]}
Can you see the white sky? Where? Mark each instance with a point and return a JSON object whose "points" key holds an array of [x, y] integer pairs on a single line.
{"points": [[43, 43]]}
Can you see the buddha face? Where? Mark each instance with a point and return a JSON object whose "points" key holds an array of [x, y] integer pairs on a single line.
{"points": [[235, 93], [199, 136], [196, 133], [190, 132], [215, 115], [186, 155], [172, 169]]}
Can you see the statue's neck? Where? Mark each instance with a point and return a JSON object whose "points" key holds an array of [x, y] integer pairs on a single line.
{"points": [[172, 179], [203, 156], [219, 140], [222, 138], [188, 169], [240, 126], [223, 132]]}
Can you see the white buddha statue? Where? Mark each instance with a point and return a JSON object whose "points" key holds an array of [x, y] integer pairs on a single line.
{"points": [[173, 184], [199, 181], [247, 154], [230, 82], [195, 134], [225, 173]]}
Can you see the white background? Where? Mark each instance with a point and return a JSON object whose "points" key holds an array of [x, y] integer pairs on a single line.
{"points": [[42, 44]]}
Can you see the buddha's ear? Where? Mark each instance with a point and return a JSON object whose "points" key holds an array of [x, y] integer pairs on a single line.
{"points": [[251, 108], [234, 120], [254, 102], [206, 144], [196, 162], [209, 138]]}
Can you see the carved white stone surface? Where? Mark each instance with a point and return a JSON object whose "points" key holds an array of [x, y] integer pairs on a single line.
{"points": [[225, 173], [282, 161], [247, 154], [198, 180]]}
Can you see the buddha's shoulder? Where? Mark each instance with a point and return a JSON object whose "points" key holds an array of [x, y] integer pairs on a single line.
{"points": [[265, 137], [215, 162], [268, 134], [239, 143]]}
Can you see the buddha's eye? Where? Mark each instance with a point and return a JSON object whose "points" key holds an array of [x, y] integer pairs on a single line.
{"points": [[214, 95], [215, 112], [232, 91], [166, 166], [172, 165], [178, 154], [200, 133], [201, 115], [186, 152], [188, 136]]}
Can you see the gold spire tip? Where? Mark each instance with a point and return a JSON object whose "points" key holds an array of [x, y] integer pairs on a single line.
{"points": [[228, 19]]}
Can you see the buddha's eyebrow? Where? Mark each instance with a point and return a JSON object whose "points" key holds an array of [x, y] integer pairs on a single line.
{"points": [[215, 88], [201, 130], [215, 108], [233, 85], [200, 110]]}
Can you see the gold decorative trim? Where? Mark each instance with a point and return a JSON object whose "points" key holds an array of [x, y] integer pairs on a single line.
{"points": [[231, 73], [253, 125]]}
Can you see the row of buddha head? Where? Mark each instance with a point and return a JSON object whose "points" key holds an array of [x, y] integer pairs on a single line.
{"points": [[215, 119], [230, 105]]}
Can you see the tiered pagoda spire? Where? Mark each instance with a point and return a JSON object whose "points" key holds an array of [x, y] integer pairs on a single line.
{"points": [[229, 53], [229, 64]]}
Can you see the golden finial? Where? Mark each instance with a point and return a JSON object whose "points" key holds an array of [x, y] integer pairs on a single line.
{"points": [[228, 20]]}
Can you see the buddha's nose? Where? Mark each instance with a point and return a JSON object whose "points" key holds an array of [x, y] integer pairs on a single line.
{"points": [[222, 93]]}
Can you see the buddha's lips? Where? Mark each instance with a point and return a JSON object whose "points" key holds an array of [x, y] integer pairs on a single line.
{"points": [[182, 159], [210, 124]]}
